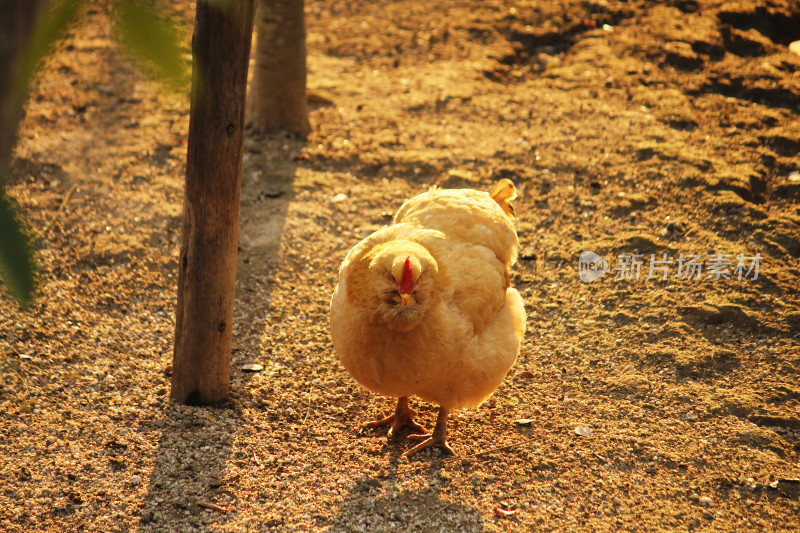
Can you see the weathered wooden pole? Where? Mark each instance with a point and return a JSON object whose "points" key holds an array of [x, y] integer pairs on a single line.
{"points": [[221, 53], [277, 99]]}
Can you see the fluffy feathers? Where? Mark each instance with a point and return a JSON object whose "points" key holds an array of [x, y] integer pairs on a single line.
{"points": [[451, 333]]}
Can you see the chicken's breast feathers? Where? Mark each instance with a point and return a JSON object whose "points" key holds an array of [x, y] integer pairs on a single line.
{"points": [[456, 340]]}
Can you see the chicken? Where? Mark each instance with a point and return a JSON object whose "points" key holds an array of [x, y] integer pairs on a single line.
{"points": [[424, 306]]}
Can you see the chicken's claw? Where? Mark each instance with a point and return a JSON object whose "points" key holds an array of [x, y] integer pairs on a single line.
{"points": [[403, 417], [437, 439], [428, 441]]}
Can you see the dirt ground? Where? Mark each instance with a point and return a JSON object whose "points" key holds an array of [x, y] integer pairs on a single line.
{"points": [[636, 127]]}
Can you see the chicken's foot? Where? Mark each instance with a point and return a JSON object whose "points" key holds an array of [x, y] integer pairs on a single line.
{"points": [[403, 417], [436, 439]]}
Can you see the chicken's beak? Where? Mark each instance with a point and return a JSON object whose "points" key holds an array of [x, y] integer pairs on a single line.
{"points": [[405, 298]]}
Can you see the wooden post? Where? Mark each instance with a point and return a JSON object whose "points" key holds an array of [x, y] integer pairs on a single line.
{"points": [[221, 52], [277, 99]]}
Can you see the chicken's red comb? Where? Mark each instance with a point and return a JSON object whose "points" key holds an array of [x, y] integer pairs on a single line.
{"points": [[407, 282]]}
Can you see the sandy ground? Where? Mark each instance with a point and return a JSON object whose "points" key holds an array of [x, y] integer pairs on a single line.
{"points": [[664, 129]]}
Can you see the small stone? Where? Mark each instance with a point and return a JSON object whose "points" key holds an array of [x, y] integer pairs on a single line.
{"points": [[524, 421], [341, 197], [795, 47], [705, 500], [252, 367], [583, 431], [136, 481]]}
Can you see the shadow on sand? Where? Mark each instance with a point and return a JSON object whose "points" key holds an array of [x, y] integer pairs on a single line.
{"points": [[187, 488], [380, 503]]}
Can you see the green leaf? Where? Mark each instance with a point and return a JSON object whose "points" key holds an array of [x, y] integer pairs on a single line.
{"points": [[16, 254], [51, 26], [153, 40]]}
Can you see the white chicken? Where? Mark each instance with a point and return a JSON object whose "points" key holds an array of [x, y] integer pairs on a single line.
{"points": [[424, 307]]}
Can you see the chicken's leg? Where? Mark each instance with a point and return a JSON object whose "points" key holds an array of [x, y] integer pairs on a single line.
{"points": [[403, 416], [436, 439]]}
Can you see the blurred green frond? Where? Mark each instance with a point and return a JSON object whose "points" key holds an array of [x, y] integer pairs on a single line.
{"points": [[153, 40], [53, 23], [16, 255]]}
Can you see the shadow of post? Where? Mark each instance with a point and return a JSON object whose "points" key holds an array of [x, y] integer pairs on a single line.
{"points": [[268, 175], [188, 486], [189, 472]]}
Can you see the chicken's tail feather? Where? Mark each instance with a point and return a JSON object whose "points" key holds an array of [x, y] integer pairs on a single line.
{"points": [[502, 193]]}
